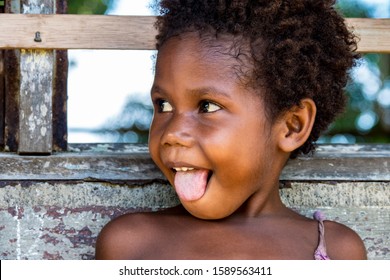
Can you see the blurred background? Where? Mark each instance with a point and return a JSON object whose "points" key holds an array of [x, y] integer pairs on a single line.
{"points": [[109, 90]]}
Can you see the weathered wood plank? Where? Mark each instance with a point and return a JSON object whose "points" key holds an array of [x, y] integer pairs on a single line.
{"points": [[133, 32], [36, 89], [60, 92], [12, 86], [2, 98], [132, 163], [60, 101], [374, 34], [11, 109], [80, 166], [77, 32], [341, 163]]}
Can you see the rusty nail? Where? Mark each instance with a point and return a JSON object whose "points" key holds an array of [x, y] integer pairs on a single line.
{"points": [[38, 37]]}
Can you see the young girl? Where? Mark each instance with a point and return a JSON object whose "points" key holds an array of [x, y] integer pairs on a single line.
{"points": [[240, 87]]}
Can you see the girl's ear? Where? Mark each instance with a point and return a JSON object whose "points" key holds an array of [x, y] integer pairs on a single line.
{"points": [[296, 125]]}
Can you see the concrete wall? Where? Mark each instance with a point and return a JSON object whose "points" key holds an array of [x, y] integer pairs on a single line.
{"points": [[61, 218], [62, 221], [363, 206]]}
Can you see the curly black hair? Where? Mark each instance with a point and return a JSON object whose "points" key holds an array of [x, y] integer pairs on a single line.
{"points": [[298, 49]]}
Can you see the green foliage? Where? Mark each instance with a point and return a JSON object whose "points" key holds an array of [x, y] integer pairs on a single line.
{"points": [[366, 119], [88, 7], [352, 9]]}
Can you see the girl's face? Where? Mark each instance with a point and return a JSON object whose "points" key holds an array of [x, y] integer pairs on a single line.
{"points": [[209, 135]]}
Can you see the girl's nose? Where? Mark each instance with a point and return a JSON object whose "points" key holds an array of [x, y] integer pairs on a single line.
{"points": [[178, 132]]}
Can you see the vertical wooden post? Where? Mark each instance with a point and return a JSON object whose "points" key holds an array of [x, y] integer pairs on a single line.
{"points": [[36, 90], [2, 99], [12, 85], [2, 88]]}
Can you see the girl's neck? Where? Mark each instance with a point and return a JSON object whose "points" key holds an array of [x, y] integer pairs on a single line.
{"points": [[260, 204]]}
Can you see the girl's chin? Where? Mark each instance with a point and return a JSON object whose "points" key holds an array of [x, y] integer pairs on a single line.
{"points": [[198, 210]]}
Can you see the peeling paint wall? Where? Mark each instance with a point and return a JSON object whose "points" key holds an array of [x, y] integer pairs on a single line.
{"points": [[62, 221]]}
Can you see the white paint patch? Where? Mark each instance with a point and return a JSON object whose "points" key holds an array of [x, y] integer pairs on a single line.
{"points": [[43, 131], [18, 236], [44, 110]]}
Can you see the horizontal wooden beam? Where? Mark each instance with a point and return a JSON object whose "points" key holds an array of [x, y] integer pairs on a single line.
{"points": [[374, 34], [131, 32], [369, 162], [76, 32], [132, 163], [95, 163]]}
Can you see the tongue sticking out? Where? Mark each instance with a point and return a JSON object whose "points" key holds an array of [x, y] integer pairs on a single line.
{"points": [[191, 185]]}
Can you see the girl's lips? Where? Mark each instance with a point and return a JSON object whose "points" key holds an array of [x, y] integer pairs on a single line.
{"points": [[180, 164], [187, 168]]}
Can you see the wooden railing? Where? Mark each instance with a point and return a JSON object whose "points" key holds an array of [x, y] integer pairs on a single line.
{"points": [[132, 32]]}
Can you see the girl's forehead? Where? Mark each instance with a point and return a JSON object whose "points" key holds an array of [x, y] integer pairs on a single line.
{"points": [[224, 52]]}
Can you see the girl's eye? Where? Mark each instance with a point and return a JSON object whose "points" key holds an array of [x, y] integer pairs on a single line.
{"points": [[208, 107], [164, 106]]}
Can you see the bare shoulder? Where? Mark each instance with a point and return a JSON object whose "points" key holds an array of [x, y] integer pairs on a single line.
{"points": [[343, 243], [121, 237], [130, 236]]}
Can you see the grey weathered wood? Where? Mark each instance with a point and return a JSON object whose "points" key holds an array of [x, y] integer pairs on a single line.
{"points": [[36, 90], [132, 163], [97, 163], [342, 163]]}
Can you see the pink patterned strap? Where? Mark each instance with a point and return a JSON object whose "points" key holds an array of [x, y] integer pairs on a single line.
{"points": [[320, 253]]}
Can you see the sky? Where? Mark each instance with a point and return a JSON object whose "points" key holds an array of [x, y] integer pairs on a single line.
{"points": [[381, 7], [103, 80]]}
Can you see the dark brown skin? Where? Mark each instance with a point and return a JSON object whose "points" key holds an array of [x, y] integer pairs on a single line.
{"points": [[206, 119], [174, 234]]}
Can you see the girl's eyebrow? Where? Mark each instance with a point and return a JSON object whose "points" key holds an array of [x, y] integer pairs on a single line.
{"points": [[157, 89], [202, 91], [209, 91]]}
